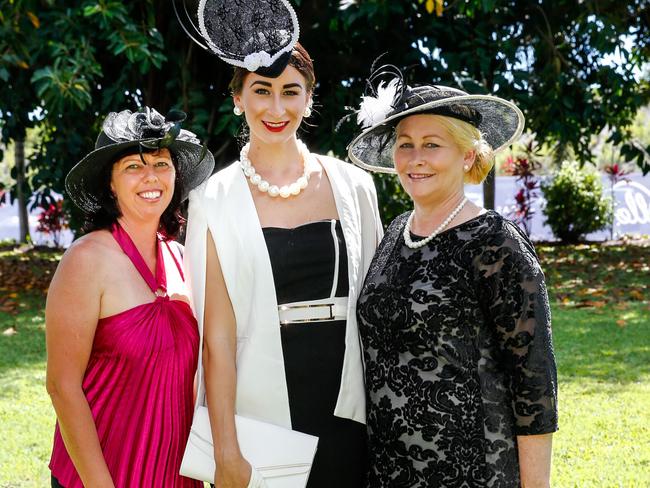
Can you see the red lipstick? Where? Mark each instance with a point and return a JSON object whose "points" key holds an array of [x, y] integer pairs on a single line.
{"points": [[279, 127]]}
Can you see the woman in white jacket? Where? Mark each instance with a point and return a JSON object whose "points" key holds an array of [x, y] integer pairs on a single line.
{"points": [[277, 248]]}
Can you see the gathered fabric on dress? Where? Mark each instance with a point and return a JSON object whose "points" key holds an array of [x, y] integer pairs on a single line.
{"points": [[139, 386], [309, 262]]}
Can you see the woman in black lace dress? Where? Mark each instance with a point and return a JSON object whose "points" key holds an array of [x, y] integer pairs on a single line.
{"points": [[454, 313]]}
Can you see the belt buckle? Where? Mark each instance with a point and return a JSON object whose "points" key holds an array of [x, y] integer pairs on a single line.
{"points": [[304, 321]]}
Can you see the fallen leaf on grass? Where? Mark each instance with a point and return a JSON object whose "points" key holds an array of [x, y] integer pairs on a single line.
{"points": [[637, 295], [621, 323], [591, 303], [592, 291]]}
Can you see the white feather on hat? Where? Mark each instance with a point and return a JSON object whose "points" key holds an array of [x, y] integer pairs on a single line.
{"points": [[373, 110]]}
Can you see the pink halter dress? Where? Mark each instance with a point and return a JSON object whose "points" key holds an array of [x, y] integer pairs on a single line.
{"points": [[139, 385]]}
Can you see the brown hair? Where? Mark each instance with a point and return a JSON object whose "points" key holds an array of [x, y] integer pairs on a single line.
{"points": [[299, 59]]}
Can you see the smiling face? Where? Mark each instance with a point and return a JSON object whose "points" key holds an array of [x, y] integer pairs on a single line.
{"points": [[429, 163], [274, 107], [143, 190]]}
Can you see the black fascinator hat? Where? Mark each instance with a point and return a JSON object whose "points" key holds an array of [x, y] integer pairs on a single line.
{"points": [[391, 100], [257, 35], [145, 130]]}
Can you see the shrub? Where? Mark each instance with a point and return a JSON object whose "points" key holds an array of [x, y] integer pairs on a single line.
{"points": [[575, 203]]}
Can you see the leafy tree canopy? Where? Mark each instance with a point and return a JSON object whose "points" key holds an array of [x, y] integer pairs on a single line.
{"points": [[573, 68]]}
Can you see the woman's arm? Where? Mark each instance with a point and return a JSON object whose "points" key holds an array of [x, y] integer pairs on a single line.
{"points": [[71, 315], [516, 303], [219, 355], [535, 460]]}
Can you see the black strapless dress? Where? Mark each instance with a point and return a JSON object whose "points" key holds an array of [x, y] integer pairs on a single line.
{"points": [[305, 267]]}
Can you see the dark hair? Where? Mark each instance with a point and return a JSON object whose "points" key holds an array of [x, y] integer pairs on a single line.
{"points": [[299, 59], [171, 220]]}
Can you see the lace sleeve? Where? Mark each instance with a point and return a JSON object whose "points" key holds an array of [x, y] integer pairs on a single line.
{"points": [[514, 298]]}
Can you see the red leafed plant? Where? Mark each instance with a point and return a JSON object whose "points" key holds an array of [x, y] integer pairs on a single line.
{"points": [[52, 220], [523, 167], [3, 194], [615, 173]]}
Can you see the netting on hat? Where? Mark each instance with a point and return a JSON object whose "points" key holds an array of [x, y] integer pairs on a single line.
{"points": [[194, 165], [501, 123], [248, 33]]}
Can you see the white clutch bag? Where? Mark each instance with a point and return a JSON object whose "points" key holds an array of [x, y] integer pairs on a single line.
{"points": [[282, 456]]}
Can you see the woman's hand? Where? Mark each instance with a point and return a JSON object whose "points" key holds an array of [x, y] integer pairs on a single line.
{"points": [[233, 473]]}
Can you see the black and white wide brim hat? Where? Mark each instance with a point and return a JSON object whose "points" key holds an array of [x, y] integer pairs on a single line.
{"points": [[499, 121], [140, 131], [258, 35]]}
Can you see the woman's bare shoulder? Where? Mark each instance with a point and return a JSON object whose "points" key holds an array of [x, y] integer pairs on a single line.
{"points": [[91, 252]]}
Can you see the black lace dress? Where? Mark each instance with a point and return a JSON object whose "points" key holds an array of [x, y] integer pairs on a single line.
{"points": [[459, 358], [304, 261]]}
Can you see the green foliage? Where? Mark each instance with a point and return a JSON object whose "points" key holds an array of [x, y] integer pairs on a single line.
{"points": [[73, 62], [393, 200], [575, 204], [68, 64]]}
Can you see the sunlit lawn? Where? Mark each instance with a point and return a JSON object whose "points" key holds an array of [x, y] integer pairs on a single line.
{"points": [[601, 320], [26, 416], [604, 377]]}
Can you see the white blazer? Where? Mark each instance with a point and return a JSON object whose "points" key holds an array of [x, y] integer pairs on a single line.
{"points": [[224, 205]]}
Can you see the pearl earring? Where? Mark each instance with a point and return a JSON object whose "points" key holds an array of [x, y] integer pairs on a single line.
{"points": [[237, 111], [307, 111], [466, 168]]}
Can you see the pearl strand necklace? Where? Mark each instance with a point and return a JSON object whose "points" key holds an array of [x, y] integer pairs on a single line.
{"points": [[264, 186], [416, 245]]}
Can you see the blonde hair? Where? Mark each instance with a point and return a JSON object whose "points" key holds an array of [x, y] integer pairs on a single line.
{"points": [[469, 138]]}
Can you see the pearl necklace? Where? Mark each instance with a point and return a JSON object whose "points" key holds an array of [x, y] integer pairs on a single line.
{"points": [[416, 245], [264, 186]]}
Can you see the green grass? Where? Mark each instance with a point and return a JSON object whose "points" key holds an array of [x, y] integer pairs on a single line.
{"points": [[26, 415], [604, 399], [601, 327]]}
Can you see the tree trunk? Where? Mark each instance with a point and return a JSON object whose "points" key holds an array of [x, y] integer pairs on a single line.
{"points": [[488, 190], [19, 153]]}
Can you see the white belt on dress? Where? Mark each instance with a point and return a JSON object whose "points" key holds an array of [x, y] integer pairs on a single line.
{"points": [[325, 310]]}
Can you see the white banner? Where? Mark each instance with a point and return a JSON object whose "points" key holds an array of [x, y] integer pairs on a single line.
{"points": [[632, 211], [631, 204]]}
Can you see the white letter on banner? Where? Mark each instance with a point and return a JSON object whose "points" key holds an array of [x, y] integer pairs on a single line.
{"points": [[637, 208]]}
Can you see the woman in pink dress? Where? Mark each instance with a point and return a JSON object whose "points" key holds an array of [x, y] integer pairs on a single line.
{"points": [[122, 342]]}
